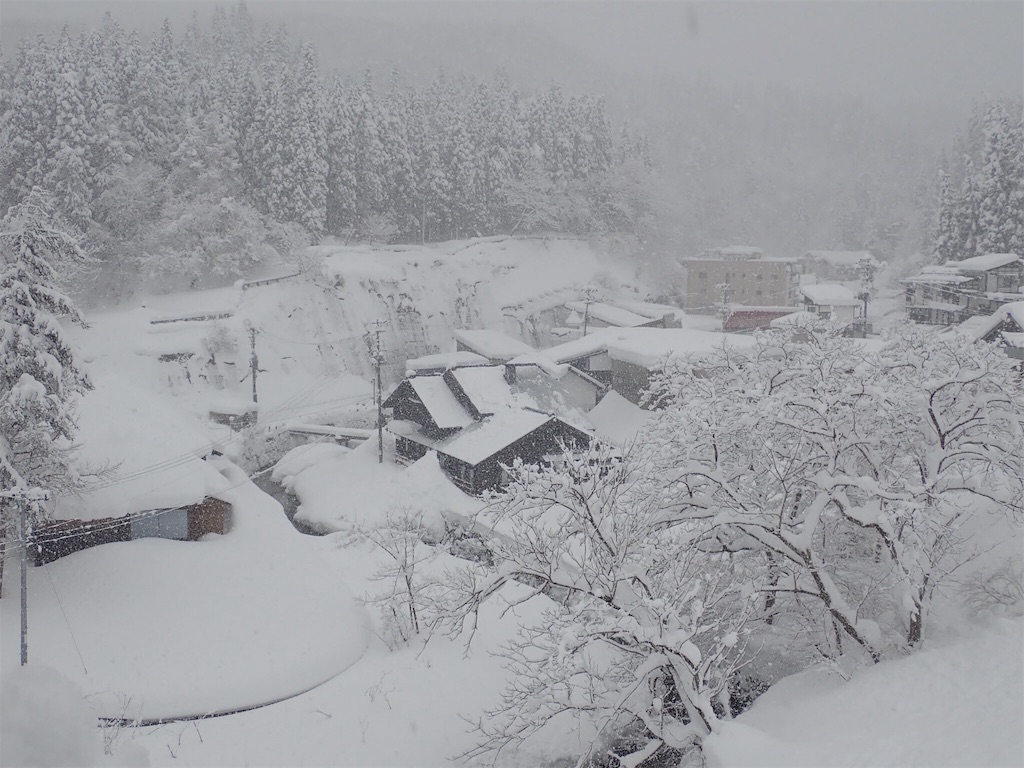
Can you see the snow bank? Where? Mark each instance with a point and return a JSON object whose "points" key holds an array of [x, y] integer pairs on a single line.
{"points": [[44, 720], [356, 491], [170, 628], [954, 705]]}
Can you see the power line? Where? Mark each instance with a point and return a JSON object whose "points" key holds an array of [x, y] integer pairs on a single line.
{"points": [[71, 632], [129, 518]]}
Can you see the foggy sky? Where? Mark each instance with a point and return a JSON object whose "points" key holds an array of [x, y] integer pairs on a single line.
{"points": [[930, 53]]}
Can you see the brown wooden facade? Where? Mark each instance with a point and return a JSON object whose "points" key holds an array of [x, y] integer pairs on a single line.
{"points": [[58, 538]]}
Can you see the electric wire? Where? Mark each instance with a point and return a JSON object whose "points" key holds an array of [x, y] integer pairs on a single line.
{"points": [[74, 640]]}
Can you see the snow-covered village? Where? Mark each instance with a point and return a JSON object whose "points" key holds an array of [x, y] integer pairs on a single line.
{"points": [[534, 385]]}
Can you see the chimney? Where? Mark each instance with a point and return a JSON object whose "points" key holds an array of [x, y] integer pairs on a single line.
{"points": [[510, 373]]}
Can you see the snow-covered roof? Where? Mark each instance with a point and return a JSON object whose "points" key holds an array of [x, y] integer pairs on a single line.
{"points": [[445, 360], [494, 345], [438, 399], [938, 276], [980, 326], [607, 313], [485, 438], [646, 347], [595, 342], [841, 258], [1014, 339], [984, 263], [152, 453], [828, 294], [740, 250], [488, 390], [617, 420], [801, 318], [649, 309]]}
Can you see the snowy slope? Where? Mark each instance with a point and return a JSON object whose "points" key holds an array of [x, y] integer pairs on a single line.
{"points": [[957, 704], [310, 329]]}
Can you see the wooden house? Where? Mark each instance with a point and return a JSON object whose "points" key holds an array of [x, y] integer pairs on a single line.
{"points": [[480, 419], [157, 480], [958, 290], [1005, 326], [189, 522], [639, 352]]}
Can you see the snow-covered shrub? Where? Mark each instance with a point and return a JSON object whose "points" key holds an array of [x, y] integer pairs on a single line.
{"points": [[403, 600], [999, 591]]}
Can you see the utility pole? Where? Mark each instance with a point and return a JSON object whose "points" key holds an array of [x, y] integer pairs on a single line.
{"points": [[373, 340], [253, 361], [23, 498], [589, 297]]}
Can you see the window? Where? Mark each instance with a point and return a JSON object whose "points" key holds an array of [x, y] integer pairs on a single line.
{"points": [[172, 524], [702, 275], [758, 292]]}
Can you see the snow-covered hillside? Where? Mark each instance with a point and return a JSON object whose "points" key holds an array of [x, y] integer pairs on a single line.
{"points": [[310, 326]]}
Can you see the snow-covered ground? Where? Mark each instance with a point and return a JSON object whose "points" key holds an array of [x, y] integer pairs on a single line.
{"points": [[157, 628], [957, 702]]}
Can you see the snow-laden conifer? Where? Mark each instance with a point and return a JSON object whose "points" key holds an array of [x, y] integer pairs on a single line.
{"points": [[40, 372]]}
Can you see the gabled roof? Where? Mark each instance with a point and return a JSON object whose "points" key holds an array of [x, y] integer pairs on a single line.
{"points": [[437, 398], [480, 401], [487, 437], [494, 345], [984, 263], [826, 294], [980, 327]]}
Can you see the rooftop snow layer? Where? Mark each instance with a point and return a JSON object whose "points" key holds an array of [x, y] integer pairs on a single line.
{"points": [[607, 313], [616, 419], [801, 318], [493, 345], [593, 343], [445, 360], [979, 327], [438, 399], [984, 263], [152, 450], [485, 438], [841, 258], [646, 347], [827, 294]]}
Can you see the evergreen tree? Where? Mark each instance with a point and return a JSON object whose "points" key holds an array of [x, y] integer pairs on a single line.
{"points": [[68, 174], [308, 143], [341, 160], [999, 215], [40, 373], [28, 119], [947, 240], [158, 96], [371, 156], [967, 215]]}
